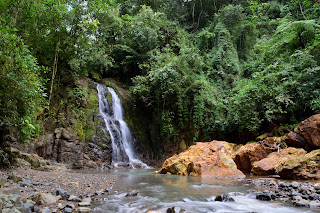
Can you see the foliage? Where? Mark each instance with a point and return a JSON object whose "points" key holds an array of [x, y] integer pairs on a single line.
{"points": [[202, 67], [20, 86]]}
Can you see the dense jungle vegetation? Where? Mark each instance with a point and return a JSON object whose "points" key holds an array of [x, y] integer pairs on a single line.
{"points": [[206, 68]]}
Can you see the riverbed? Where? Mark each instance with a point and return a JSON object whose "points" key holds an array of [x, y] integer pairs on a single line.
{"points": [[158, 193]]}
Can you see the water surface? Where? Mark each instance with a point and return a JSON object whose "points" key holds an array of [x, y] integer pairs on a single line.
{"points": [[193, 194]]}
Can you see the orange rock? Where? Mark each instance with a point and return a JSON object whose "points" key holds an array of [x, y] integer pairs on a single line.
{"points": [[204, 159], [248, 154], [309, 129], [267, 166]]}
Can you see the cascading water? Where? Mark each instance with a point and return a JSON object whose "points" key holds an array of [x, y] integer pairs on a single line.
{"points": [[117, 129]]}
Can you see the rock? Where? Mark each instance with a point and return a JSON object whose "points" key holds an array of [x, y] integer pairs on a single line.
{"points": [[224, 198], [204, 159], [174, 210], [315, 204], [303, 167], [74, 198], [46, 210], [14, 177], [295, 140], [84, 204], [309, 129], [266, 196], [45, 198], [67, 210], [267, 166], [83, 209], [22, 163], [133, 193], [24, 180], [314, 196], [29, 206], [64, 195], [248, 154], [301, 202], [11, 210]]}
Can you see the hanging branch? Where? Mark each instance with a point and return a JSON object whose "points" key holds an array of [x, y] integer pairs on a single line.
{"points": [[54, 69], [302, 10], [199, 15]]}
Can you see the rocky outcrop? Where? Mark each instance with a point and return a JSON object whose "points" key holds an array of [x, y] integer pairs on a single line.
{"points": [[248, 154], [267, 166], [309, 129], [302, 167], [204, 159]]}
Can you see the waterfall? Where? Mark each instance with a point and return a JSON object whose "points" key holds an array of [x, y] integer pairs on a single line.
{"points": [[117, 129]]}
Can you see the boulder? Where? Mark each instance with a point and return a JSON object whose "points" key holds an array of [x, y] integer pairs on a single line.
{"points": [[295, 140], [248, 154], [204, 159], [303, 167], [267, 166], [309, 129]]}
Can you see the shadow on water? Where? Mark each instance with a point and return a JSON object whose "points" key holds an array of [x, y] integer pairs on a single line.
{"points": [[193, 194]]}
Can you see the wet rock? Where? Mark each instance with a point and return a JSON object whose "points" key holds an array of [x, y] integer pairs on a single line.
{"points": [[309, 129], [132, 193], [248, 154], [64, 195], [204, 159], [224, 198], [301, 202], [315, 204], [175, 210], [265, 196]]}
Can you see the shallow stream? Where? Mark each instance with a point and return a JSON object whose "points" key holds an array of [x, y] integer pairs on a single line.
{"points": [[193, 194]]}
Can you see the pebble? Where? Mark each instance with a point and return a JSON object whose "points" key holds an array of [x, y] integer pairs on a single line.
{"points": [[82, 204]]}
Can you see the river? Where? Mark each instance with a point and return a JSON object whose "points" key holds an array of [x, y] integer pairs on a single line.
{"points": [[193, 194]]}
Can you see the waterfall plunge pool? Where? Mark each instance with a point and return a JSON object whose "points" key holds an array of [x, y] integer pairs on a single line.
{"points": [[157, 193]]}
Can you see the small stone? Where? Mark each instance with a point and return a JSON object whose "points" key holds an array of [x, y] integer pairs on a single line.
{"points": [[74, 198], [28, 206], [224, 198], [266, 196], [67, 210], [133, 193], [295, 184], [83, 209], [25, 180], [294, 193], [87, 199], [46, 210], [70, 205], [83, 204], [301, 202], [314, 196], [65, 195]]}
